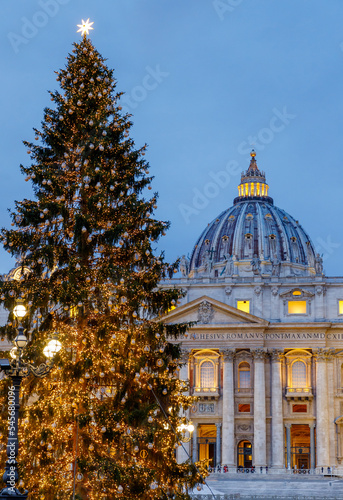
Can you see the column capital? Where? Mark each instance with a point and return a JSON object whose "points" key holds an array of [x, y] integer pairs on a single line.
{"points": [[258, 354], [288, 426], [312, 426], [229, 354], [276, 355], [322, 355], [185, 353], [218, 425]]}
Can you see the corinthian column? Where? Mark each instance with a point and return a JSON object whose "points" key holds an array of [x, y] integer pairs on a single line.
{"points": [[277, 415], [331, 409], [228, 429], [322, 411], [260, 452], [183, 452]]}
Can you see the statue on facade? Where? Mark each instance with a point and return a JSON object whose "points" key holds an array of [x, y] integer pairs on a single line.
{"points": [[184, 266], [229, 269], [256, 265], [206, 262], [276, 264], [318, 265]]}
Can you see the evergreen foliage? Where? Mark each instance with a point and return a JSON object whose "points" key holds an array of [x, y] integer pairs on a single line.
{"points": [[89, 272]]}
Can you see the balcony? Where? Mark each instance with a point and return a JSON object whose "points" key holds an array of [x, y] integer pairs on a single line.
{"points": [[299, 393], [206, 392], [244, 391]]}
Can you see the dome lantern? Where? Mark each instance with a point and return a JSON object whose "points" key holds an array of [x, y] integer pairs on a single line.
{"points": [[253, 183]]}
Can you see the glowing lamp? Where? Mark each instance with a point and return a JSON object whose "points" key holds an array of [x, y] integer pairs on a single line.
{"points": [[19, 310], [52, 348]]}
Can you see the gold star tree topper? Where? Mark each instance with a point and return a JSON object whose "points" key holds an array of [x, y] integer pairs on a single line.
{"points": [[85, 27]]}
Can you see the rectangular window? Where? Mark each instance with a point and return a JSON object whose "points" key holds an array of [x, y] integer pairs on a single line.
{"points": [[299, 409], [297, 307], [340, 307], [244, 408], [243, 305]]}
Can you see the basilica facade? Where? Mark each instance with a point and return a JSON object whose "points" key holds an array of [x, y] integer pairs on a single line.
{"points": [[265, 354]]}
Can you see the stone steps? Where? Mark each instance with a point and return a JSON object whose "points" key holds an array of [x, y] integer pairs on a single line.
{"points": [[270, 488]]}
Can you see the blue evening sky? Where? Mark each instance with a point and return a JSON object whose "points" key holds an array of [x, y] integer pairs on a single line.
{"points": [[205, 80]]}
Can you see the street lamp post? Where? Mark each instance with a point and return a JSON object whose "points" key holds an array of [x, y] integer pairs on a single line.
{"points": [[17, 369]]}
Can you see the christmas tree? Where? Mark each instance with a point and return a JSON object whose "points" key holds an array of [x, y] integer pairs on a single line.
{"points": [[105, 422]]}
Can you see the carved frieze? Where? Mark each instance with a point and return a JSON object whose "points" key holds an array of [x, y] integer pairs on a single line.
{"points": [[243, 428]]}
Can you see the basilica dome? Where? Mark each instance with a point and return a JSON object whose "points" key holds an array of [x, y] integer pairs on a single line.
{"points": [[254, 237]]}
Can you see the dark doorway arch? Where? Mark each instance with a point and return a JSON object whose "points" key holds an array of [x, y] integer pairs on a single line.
{"points": [[244, 454]]}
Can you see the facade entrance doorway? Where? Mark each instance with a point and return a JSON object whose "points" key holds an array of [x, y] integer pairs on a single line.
{"points": [[244, 454], [207, 444], [300, 447]]}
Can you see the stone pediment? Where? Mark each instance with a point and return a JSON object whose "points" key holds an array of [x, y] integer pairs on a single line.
{"points": [[296, 293], [208, 311]]}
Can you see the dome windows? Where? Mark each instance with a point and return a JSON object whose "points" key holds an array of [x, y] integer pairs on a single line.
{"points": [[249, 217], [268, 216], [248, 236], [272, 236]]}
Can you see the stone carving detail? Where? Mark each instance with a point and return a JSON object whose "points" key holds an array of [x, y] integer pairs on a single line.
{"points": [[229, 269], [229, 354], [276, 264], [258, 290], [255, 265], [205, 312], [258, 354], [275, 290], [320, 290], [244, 427], [321, 355], [276, 355], [206, 408], [184, 266], [318, 265], [228, 290], [185, 355]]}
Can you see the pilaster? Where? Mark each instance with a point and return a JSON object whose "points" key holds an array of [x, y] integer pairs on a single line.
{"points": [[228, 419], [260, 450]]}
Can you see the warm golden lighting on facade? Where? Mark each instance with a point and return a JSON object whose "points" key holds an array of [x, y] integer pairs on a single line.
{"points": [[243, 305], [340, 307], [297, 307]]}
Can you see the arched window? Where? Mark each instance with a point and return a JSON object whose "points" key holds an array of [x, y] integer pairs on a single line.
{"points": [[207, 375], [244, 375], [298, 374]]}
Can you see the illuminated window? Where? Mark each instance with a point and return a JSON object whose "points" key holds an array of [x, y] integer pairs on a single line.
{"points": [[243, 305], [298, 374], [244, 375], [207, 375], [296, 292], [299, 408], [205, 372], [244, 408], [340, 307], [297, 307]]}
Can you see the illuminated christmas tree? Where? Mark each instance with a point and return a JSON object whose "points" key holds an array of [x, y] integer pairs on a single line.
{"points": [[104, 419]]}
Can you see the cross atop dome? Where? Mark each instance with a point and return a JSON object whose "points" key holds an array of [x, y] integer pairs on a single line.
{"points": [[253, 183]]}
